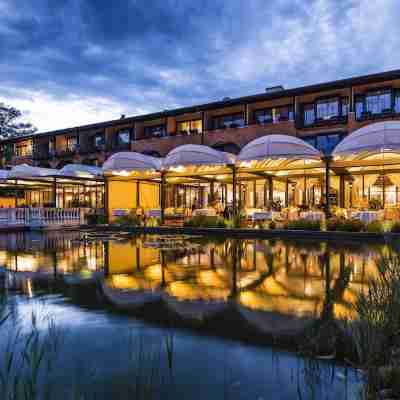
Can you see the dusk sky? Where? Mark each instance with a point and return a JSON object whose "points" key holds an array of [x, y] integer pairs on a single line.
{"points": [[71, 62]]}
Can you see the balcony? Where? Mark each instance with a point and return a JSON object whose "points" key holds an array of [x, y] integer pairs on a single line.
{"points": [[321, 122], [386, 113]]}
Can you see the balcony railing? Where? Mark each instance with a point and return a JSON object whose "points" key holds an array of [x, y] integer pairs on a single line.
{"points": [[334, 120], [386, 113]]}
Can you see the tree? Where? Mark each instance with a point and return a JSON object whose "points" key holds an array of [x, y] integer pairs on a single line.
{"points": [[9, 125]]}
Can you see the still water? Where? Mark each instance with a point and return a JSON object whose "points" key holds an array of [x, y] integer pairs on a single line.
{"points": [[108, 294]]}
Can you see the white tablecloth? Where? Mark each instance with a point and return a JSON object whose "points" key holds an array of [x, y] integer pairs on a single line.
{"points": [[210, 212], [366, 216], [266, 215], [312, 215]]}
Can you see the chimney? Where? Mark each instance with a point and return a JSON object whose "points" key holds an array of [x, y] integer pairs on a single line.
{"points": [[122, 116], [274, 89]]}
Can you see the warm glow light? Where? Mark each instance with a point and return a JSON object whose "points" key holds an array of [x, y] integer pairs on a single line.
{"points": [[179, 168], [121, 173]]}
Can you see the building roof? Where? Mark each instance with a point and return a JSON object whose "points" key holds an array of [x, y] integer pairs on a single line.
{"points": [[226, 102]]}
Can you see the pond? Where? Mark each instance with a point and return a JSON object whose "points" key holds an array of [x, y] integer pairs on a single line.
{"points": [[163, 314]]}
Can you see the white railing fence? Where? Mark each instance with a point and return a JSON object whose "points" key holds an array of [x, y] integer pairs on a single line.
{"points": [[42, 216]]}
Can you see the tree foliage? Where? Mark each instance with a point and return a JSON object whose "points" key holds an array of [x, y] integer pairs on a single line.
{"points": [[9, 124]]}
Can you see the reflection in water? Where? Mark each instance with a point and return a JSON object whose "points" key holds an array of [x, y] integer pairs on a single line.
{"points": [[290, 278], [294, 278]]}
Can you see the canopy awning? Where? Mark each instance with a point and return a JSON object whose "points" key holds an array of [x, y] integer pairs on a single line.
{"points": [[126, 162], [27, 171], [380, 137], [196, 155], [274, 147], [81, 171]]}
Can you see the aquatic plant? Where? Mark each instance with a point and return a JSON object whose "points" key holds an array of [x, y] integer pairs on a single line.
{"points": [[204, 221], [376, 332]]}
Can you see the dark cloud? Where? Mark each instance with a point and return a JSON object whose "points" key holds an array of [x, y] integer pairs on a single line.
{"points": [[150, 55]]}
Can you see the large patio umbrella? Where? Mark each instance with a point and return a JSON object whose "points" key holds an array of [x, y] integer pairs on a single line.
{"points": [[129, 161]]}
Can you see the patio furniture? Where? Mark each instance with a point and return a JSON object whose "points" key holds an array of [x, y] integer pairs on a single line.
{"points": [[368, 216], [312, 215], [266, 215], [207, 212]]}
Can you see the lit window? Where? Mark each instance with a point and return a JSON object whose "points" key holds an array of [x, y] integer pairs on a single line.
{"points": [[98, 140], [190, 127], [154, 130], [228, 121], [123, 138], [378, 101], [309, 114], [327, 109], [71, 143]]}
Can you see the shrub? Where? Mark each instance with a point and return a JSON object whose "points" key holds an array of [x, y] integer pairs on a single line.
{"points": [[128, 220], [375, 227], [203, 221], [345, 225], [395, 228], [96, 219], [305, 224]]}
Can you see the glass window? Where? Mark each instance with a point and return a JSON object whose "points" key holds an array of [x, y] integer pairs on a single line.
{"points": [[155, 130], [228, 121], [359, 106], [123, 137], [52, 145], [99, 140], [311, 140], [327, 109], [378, 101], [309, 114], [284, 113], [345, 106], [326, 143], [263, 116], [194, 126], [397, 101], [23, 149], [71, 143]]}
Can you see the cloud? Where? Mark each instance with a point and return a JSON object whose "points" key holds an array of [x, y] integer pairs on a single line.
{"points": [[87, 61]]}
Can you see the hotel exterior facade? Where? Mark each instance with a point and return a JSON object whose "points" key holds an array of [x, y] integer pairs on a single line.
{"points": [[318, 116], [321, 114]]}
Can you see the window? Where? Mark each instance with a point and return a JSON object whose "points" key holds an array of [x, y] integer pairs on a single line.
{"points": [[190, 127], [324, 143], [123, 138], [228, 121], [309, 114], [327, 109], [52, 145], [98, 140], [71, 143], [359, 106], [275, 114], [345, 106], [285, 113], [378, 101], [263, 116], [23, 149], [154, 130], [397, 101]]}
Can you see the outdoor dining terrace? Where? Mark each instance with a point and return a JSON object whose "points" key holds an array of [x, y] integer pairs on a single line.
{"points": [[32, 197], [276, 181]]}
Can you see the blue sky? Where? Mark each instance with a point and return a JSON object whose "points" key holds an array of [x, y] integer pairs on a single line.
{"points": [[71, 62]]}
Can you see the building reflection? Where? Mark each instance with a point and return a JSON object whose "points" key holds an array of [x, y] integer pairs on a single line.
{"points": [[288, 278]]}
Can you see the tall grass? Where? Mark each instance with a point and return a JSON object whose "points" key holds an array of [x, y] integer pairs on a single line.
{"points": [[376, 333]]}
